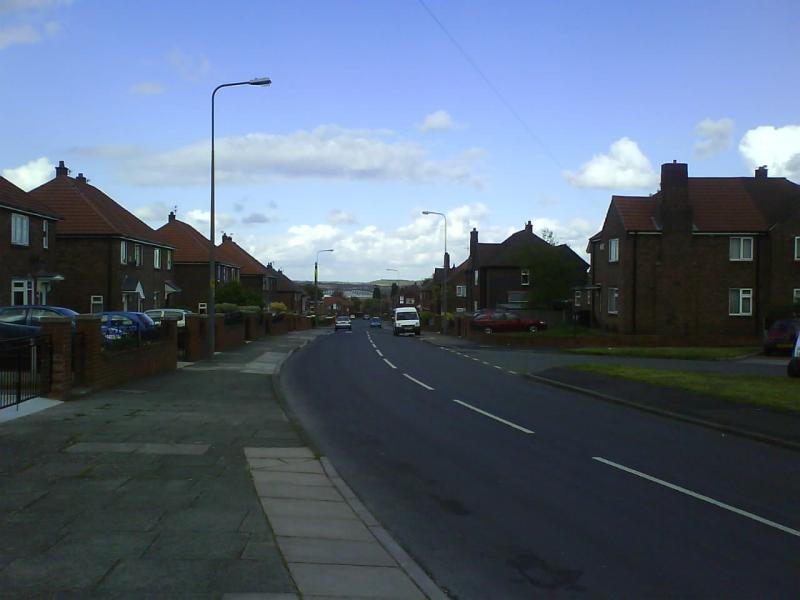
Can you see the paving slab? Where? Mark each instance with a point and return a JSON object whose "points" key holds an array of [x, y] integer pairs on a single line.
{"points": [[180, 449], [302, 492], [344, 552], [301, 452], [320, 527], [283, 507], [310, 479], [354, 581]]}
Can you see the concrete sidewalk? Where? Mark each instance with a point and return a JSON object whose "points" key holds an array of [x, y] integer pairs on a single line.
{"points": [[192, 484]]}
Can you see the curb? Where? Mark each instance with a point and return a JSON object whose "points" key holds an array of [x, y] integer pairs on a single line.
{"points": [[745, 433]]}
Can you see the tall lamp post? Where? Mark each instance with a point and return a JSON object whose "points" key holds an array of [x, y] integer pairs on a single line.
{"points": [[316, 287], [444, 264], [212, 267], [391, 298]]}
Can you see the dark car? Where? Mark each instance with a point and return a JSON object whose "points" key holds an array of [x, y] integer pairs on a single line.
{"points": [[11, 331], [781, 336], [375, 322], [128, 323], [31, 314], [502, 320]]}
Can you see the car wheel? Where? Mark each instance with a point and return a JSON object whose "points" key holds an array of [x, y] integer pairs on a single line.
{"points": [[533, 329], [395, 332], [793, 368], [487, 330]]}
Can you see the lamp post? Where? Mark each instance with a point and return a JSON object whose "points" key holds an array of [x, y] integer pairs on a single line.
{"points": [[444, 264], [212, 268], [391, 298], [316, 287]]}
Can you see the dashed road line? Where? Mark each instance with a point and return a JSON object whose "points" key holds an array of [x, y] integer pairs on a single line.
{"points": [[418, 382], [388, 363], [379, 352], [495, 417], [512, 372], [496, 367]]}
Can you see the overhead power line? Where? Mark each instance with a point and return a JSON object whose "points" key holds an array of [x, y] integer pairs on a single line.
{"points": [[490, 85]]}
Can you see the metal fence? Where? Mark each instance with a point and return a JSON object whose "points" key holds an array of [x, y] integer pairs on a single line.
{"points": [[25, 369]]}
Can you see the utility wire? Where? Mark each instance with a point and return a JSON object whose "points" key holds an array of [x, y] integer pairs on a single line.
{"points": [[490, 85]]}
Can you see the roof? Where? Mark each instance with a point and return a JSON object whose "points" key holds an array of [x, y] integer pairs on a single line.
{"points": [[511, 252], [85, 210], [719, 204], [190, 245], [13, 197], [232, 251]]}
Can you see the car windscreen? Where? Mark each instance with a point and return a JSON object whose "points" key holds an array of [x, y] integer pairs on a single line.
{"points": [[342, 319], [407, 316]]}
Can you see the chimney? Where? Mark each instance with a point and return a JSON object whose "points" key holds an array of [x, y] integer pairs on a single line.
{"points": [[226, 238], [761, 172], [171, 216], [61, 170], [447, 261], [529, 227], [80, 178], [473, 241], [675, 183]]}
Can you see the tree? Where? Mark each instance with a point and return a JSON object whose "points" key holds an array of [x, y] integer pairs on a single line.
{"points": [[376, 293], [549, 236], [355, 304], [394, 291], [232, 292], [551, 277], [309, 290]]}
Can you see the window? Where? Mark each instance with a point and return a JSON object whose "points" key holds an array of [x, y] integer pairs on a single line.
{"points": [[21, 291], [476, 276], [461, 291], [741, 248], [137, 254], [45, 234], [525, 277], [169, 259], [474, 306], [740, 302], [517, 297], [613, 299], [578, 297], [156, 300], [19, 229], [123, 252], [613, 250], [14, 315], [157, 258], [797, 248], [96, 304], [796, 296]]}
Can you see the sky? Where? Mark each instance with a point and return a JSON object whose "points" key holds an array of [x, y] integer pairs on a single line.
{"points": [[493, 112]]}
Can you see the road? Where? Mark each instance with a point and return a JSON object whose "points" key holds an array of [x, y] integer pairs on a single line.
{"points": [[504, 488]]}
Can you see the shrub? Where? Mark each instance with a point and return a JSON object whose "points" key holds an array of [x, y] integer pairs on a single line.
{"points": [[226, 307], [278, 307], [250, 309]]}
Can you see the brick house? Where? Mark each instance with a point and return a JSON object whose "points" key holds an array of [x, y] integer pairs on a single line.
{"points": [[509, 274], [110, 260], [704, 255], [28, 270], [191, 264], [288, 292], [253, 275]]}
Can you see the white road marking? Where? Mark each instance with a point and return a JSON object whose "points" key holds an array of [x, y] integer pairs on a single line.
{"points": [[418, 382], [512, 372], [683, 490], [379, 352], [477, 359], [496, 367], [388, 363], [484, 362], [491, 416]]}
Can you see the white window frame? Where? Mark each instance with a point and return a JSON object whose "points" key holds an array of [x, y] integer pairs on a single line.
{"points": [[156, 258], [461, 291], [45, 234], [743, 294], [169, 259], [578, 297], [123, 252], [476, 276], [20, 230], [26, 287], [613, 307], [613, 250], [525, 277], [740, 256], [95, 304], [795, 296], [137, 254], [797, 247]]}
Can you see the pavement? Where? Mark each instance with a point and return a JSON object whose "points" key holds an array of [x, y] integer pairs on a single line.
{"points": [[191, 484], [756, 422]]}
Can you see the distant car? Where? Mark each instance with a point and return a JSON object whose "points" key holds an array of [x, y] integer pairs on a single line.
{"points": [[502, 320], [342, 322], [128, 323], [781, 336], [366, 317], [375, 322], [352, 317], [157, 314], [793, 368]]}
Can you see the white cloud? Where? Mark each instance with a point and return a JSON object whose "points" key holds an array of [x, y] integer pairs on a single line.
{"points": [[147, 88], [327, 152], [776, 147], [12, 6], [155, 214], [191, 68], [340, 217], [255, 218], [625, 166], [19, 34], [437, 121], [200, 220], [715, 136], [32, 174]]}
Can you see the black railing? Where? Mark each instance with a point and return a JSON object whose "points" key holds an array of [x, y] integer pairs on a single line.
{"points": [[25, 365]]}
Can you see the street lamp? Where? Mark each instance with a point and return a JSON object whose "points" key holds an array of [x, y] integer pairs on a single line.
{"points": [[444, 264], [316, 287], [212, 274]]}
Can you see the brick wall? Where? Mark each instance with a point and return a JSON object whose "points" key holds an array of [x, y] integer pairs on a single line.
{"points": [[228, 336], [196, 332], [24, 261], [192, 278], [59, 355]]}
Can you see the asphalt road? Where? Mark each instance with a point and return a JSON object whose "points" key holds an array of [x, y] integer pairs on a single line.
{"points": [[503, 488]]}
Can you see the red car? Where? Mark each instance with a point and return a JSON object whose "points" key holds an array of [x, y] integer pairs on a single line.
{"points": [[501, 320]]}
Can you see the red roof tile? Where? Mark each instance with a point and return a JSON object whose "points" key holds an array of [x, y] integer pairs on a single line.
{"points": [[190, 244], [13, 197], [234, 252], [637, 212]]}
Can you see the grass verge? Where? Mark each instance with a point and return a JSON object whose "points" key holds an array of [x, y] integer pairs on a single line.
{"points": [[690, 353], [776, 392]]}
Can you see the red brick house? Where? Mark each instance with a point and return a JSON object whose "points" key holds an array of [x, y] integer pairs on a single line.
{"points": [[287, 291], [191, 264], [110, 260], [702, 256], [28, 269], [253, 275]]}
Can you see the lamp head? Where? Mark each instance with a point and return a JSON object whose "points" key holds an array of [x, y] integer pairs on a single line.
{"points": [[426, 212], [260, 81]]}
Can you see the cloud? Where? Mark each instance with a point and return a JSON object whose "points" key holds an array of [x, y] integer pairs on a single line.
{"points": [[340, 217], [623, 167], [32, 174], [327, 152], [437, 121], [12, 6], [714, 136], [147, 88], [19, 34], [155, 214], [191, 68], [257, 218], [776, 147], [200, 219]]}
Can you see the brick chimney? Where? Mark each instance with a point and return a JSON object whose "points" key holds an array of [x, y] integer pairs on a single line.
{"points": [[80, 178], [226, 238], [61, 170], [529, 227], [171, 216], [761, 172], [675, 183], [473, 241]]}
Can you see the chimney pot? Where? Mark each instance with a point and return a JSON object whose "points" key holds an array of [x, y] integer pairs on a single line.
{"points": [[529, 227], [61, 170], [171, 216], [81, 178], [761, 172]]}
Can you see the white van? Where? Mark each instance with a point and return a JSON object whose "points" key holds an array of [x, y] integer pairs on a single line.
{"points": [[406, 320]]}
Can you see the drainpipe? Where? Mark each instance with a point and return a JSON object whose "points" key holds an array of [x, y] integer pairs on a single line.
{"points": [[109, 275], [633, 283], [759, 321]]}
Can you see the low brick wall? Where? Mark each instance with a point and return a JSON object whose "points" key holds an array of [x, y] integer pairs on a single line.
{"points": [[254, 326], [196, 333], [228, 336]]}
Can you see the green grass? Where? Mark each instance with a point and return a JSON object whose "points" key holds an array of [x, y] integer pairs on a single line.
{"points": [[690, 353], [775, 392]]}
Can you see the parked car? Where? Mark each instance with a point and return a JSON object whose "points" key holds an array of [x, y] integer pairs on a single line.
{"points": [[11, 331], [157, 314], [502, 320], [342, 322], [375, 322], [128, 323], [781, 336], [793, 368], [31, 314]]}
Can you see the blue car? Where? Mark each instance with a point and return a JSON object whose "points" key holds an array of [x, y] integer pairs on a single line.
{"points": [[31, 314], [117, 323], [375, 322]]}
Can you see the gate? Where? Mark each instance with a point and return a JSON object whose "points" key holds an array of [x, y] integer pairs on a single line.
{"points": [[25, 369]]}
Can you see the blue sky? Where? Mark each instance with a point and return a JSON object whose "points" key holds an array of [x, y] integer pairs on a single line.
{"points": [[375, 114]]}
